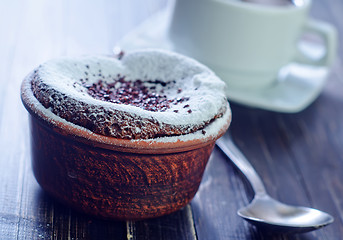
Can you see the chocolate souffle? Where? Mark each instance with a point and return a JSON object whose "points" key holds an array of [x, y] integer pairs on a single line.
{"points": [[124, 138], [142, 96]]}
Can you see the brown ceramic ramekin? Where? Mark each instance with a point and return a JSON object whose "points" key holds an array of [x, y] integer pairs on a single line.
{"points": [[114, 178]]}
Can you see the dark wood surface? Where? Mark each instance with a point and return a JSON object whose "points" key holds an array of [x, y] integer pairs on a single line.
{"points": [[299, 156]]}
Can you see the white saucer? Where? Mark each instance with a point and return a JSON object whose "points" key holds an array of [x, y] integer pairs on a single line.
{"points": [[297, 86]]}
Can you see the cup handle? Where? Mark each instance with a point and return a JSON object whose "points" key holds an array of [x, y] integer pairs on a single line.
{"points": [[328, 34]]}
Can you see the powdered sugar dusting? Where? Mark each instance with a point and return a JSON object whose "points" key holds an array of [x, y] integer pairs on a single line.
{"points": [[211, 131], [203, 89]]}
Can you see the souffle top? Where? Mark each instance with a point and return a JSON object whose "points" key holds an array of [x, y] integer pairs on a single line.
{"points": [[143, 95]]}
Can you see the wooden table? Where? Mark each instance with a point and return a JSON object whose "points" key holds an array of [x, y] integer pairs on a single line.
{"points": [[299, 156]]}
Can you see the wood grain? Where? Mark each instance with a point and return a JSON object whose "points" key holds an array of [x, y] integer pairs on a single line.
{"points": [[299, 156]]}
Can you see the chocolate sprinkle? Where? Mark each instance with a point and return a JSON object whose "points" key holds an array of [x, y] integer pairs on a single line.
{"points": [[134, 93]]}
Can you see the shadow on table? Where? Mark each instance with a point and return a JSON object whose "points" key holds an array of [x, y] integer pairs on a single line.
{"points": [[55, 220], [59, 221]]}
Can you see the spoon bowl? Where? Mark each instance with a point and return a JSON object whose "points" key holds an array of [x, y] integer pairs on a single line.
{"points": [[266, 212]]}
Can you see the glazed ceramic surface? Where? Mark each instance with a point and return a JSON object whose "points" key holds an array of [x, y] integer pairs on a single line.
{"points": [[295, 87], [246, 44]]}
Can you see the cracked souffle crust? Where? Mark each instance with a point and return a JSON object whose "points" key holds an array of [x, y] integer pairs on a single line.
{"points": [[146, 94]]}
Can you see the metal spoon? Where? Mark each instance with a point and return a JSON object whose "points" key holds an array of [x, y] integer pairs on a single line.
{"points": [[266, 212]]}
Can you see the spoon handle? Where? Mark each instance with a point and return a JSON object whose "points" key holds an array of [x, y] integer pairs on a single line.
{"points": [[231, 151]]}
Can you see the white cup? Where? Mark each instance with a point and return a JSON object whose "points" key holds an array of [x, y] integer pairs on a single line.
{"points": [[247, 44]]}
